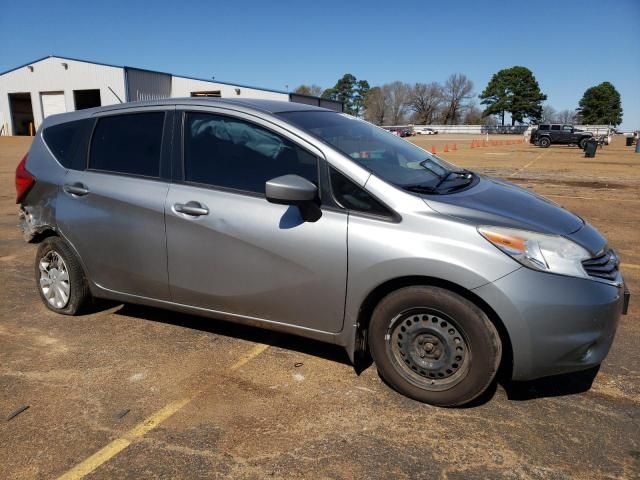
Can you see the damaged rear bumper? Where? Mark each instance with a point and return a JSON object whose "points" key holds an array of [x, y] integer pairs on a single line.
{"points": [[32, 224]]}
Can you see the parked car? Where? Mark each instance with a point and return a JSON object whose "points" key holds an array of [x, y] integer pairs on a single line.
{"points": [[406, 132], [303, 220], [426, 131], [557, 134]]}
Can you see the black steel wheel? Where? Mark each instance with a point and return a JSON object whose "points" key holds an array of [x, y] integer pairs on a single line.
{"points": [[434, 345], [428, 348]]}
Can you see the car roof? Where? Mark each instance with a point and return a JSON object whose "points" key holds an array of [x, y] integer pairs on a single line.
{"points": [[265, 106], [270, 106]]}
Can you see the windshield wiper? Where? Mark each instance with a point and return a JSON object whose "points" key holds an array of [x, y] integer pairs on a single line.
{"points": [[420, 188], [461, 173]]}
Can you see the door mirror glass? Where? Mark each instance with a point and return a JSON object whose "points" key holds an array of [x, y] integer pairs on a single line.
{"points": [[290, 190]]}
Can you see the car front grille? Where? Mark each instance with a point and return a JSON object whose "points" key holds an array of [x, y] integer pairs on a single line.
{"points": [[603, 266]]}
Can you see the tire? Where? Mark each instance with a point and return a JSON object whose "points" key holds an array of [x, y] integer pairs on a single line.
{"points": [[58, 271], [434, 346], [544, 142], [582, 143]]}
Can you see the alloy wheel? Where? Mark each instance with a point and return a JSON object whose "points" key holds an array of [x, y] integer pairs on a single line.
{"points": [[54, 279]]}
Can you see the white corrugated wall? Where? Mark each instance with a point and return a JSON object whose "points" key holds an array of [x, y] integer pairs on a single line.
{"points": [[50, 75], [182, 87]]}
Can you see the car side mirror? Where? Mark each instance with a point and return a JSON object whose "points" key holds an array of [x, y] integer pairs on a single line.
{"points": [[297, 191]]}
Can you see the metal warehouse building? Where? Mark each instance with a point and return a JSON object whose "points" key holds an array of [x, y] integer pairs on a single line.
{"points": [[54, 84]]}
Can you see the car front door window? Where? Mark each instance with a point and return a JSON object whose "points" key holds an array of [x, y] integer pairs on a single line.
{"points": [[230, 153]]}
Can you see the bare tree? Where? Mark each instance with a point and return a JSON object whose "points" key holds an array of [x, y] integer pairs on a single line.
{"points": [[457, 91], [425, 100], [473, 116], [313, 90], [376, 106], [566, 116], [549, 113], [397, 94]]}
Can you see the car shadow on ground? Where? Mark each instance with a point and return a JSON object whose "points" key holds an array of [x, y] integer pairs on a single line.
{"points": [[555, 386], [224, 328]]}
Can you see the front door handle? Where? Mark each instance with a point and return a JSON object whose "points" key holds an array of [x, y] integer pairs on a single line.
{"points": [[77, 189], [192, 208]]}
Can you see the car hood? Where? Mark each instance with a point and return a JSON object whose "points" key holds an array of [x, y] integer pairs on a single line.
{"points": [[496, 202]]}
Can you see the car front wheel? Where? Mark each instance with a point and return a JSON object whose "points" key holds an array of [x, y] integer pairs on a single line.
{"points": [[582, 143], [434, 345], [544, 142]]}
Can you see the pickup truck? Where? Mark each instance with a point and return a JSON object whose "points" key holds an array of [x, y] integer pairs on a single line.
{"points": [[558, 134]]}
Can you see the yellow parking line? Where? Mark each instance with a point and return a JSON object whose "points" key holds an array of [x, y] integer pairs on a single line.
{"points": [[112, 449], [527, 165], [116, 446], [255, 351]]}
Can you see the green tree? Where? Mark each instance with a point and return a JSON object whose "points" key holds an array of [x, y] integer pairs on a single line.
{"points": [[600, 105], [351, 92], [313, 90], [514, 90]]}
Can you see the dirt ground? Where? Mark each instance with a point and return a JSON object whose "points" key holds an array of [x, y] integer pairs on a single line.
{"points": [[165, 395]]}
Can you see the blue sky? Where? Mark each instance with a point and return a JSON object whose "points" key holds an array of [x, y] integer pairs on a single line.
{"points": [[569, 45]]}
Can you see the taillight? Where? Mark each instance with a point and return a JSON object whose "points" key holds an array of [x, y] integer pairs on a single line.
{"points": [[24, 180]]}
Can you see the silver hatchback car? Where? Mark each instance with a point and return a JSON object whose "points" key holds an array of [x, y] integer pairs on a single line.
{"points": [[308, 221]]}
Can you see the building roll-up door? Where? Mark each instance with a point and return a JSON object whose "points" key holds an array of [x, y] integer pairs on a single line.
{"points": [[146, 85], [52, 103]]}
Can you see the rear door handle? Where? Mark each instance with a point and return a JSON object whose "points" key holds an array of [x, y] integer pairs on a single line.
{"points": [[195, 209], [77, 189]]}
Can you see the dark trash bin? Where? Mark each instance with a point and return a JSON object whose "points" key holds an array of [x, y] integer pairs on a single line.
{"points": [[590, 147], [629, 141]]}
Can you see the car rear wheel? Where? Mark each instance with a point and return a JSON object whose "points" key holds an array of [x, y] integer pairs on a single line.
{"points": [[60, 278], [434, 346], [544, 142]]}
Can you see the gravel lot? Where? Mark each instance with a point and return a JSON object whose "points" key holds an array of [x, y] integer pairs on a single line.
{"points": [[222, 401]]}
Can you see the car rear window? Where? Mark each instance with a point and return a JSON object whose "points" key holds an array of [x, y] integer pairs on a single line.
{"points": [[555, 127], [128, 144], [69, 142]]}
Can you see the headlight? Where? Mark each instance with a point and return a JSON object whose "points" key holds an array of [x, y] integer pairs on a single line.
{"points": [[548, 253]]}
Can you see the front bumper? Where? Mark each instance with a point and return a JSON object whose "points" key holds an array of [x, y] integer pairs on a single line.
{"points": [[556, 324]]}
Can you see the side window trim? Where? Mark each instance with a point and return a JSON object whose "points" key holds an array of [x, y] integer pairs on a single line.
{"points": [[179, 170], [392, 216], [121, 113]]}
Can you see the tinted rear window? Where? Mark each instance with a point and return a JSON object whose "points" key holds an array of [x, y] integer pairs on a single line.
{"points": [[69, 142], [128, 144]]}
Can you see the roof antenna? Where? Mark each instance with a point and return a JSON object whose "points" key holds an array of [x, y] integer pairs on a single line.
{"points": [[116, 95]]}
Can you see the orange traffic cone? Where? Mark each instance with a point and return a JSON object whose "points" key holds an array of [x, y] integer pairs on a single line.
{"points": [[455, 147], [433, 149], [446, 148]]}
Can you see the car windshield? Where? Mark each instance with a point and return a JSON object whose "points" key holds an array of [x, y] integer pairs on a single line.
{"points": [[384, 154]]}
